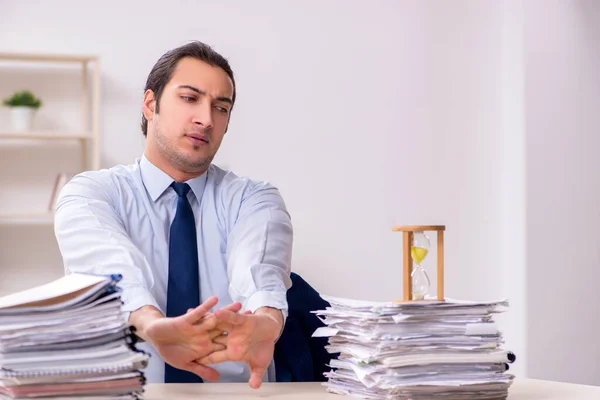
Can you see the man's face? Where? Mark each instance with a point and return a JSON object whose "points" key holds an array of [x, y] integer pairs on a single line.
{"points": [[193, 115]]}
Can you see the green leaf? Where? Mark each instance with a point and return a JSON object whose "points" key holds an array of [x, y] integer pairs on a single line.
{"points": [[23, 98]]}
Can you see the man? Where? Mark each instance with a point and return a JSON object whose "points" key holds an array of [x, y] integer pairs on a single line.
{"points": [[182, 232]]}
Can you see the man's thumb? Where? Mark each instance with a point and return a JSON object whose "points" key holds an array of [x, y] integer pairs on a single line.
{"points": [[256, 375], [204, 372]]}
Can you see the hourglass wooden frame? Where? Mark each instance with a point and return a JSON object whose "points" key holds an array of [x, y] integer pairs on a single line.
{"points": [[407, 239]]}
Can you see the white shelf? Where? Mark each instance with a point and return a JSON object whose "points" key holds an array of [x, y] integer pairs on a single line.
{"points": [[27, 219], [89, 134], [68, 58], [41, 135]]}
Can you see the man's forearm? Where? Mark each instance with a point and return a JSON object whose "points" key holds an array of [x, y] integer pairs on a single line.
{"points": [[142, 317]]}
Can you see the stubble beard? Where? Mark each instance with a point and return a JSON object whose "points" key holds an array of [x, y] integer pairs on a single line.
{"points": [[178, 158]]}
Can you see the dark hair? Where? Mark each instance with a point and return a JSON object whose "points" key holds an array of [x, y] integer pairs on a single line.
{"points": [[162, 71]]}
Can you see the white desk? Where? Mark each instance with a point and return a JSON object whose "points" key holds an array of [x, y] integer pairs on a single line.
{"points": [[527, 389]]}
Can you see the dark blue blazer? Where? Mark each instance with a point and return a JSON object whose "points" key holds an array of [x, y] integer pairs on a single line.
{"points": [[298, 356]]}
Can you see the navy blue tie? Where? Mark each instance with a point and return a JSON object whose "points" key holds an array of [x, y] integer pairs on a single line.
{"points": [[183, 290]]}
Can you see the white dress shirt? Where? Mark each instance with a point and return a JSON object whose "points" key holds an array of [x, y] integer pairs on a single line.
{"points": [[117, 220]]}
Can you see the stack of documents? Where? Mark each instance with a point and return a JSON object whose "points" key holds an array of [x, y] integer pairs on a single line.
{"points": [[416, 350], [69, 339]]}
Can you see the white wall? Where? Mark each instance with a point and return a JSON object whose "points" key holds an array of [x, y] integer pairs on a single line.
{"points": [[365, 114], [361, 113], [563, 189]]}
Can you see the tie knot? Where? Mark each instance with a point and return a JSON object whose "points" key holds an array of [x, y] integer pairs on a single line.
{"points": [[181, 189]]}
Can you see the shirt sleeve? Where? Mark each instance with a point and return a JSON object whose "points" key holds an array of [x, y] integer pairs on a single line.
{"points": [[92, 238], [259, 250]]}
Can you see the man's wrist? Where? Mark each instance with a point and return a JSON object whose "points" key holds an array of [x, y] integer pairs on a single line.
{"points": [[142, 318], [275, 314]]}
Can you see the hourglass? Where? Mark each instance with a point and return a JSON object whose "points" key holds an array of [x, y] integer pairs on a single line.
{"points": [[418, 251], [415, 247]]}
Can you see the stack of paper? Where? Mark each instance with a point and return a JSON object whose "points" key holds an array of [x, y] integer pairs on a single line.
{"points": [[416, 350], [69, 339]]}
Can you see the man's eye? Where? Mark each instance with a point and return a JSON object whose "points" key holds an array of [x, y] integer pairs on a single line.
{"points": [[188, 98], [222, 109]]}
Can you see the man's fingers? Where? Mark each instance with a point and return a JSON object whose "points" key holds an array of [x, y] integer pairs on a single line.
{"points": [[256, 375], [201, 310], [209, 321], [204, 372], [217, 347], [221, 339], [225, 326], [214, 333], [214, 358], [227, 321], [233, 307], [206, 323], [230, 317]]}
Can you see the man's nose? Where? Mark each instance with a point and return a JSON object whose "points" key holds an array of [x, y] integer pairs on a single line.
{"points": [[203, 116]]}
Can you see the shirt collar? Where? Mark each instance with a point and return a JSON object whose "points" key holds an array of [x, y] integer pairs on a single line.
{"points": [[157, 181]]}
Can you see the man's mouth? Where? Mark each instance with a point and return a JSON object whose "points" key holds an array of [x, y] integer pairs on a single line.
{"points": [[197, 139]]}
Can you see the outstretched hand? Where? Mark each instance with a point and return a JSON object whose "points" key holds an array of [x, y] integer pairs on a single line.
{"points": [[249, 338], [180, 341]]}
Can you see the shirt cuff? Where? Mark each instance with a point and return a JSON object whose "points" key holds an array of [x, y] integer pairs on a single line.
{"points": [[135, 298], [268, 299]]}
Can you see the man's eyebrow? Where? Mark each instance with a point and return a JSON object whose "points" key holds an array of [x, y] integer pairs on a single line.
{"points": [[203, 93]]}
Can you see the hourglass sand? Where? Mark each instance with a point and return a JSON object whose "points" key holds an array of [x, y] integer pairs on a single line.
{"points": [[415, 247], [418, 251]]}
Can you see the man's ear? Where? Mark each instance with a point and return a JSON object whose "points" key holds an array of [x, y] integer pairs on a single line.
{"points": [[149, 105]]}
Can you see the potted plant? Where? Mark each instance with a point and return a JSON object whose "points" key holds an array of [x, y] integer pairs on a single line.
{"points": [[23, 106]]}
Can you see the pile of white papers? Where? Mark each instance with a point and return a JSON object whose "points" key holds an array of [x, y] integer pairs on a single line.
{"points": [[69, 339], [416, 350]]}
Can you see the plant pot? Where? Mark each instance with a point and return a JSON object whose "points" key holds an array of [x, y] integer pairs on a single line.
{"points": [[22, 118]]}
